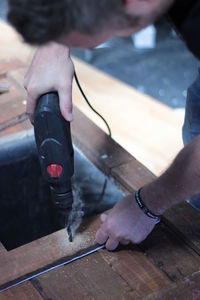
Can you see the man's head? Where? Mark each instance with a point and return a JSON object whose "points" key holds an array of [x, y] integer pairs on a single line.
{"points": [[82, 23]]}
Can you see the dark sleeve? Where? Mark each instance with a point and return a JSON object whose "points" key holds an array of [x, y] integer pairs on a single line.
{"points": [[185, 17]]}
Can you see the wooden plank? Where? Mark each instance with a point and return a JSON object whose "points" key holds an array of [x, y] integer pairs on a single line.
{"points": [[132, 175], [45, 251], [20, 126], [170, 254], [15, 125], [17, 77], [12, 44], [137, 270], [96, 145], [9, 65], [185, 221], [140, 124], [186, 289], [12, 104], [23, 292], [89, 278]]}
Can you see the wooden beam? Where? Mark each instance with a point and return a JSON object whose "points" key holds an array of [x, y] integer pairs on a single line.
{"points": [[122, 275], [9, 65], [23, 292], [186, 289]]}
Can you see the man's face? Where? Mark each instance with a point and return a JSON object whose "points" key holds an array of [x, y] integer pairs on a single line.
{"points": [[147, 11]]}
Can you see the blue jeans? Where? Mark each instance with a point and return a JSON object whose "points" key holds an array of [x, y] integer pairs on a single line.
{"points": [[191, 127]]}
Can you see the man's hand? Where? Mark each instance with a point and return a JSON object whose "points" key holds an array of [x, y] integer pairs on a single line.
{"points": [[126, 223], [180, 182], [51, 70]]}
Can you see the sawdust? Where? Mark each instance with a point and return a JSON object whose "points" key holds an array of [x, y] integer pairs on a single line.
{"points": [[81, 241]]}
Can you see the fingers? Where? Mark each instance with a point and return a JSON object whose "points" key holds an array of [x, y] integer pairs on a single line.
{"points": [[30, 107], [111, 244], [104, 237], [101, 236], [103, 217], [65, 96]]}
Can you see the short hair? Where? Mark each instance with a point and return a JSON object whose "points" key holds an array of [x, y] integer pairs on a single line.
{"points": [[41, 21]]}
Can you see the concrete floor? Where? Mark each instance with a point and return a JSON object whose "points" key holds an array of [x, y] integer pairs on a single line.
{"points": [[164, 72]]}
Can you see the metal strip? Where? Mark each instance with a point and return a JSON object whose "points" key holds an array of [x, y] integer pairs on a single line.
{"points": [[5, 288]]}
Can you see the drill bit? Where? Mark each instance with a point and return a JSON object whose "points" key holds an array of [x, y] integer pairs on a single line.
{"points": [[69, 231], [76, 215]]}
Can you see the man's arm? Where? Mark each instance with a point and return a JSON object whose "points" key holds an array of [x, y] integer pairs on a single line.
{"points": [[128, 223], [180, 182], [51, 70]]}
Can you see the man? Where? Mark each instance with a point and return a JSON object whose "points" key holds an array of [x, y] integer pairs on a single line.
{"points": [[87, 23]]}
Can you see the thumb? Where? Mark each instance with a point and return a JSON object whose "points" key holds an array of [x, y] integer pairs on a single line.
{"points": [[65, 97], [103, 217]]}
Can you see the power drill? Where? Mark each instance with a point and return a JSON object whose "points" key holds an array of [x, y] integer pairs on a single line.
{"points": [[55, 150]]}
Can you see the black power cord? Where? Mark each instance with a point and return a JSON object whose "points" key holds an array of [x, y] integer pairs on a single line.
{"points": [[89, 104]]}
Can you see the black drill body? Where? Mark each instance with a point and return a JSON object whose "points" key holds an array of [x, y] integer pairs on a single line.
{"points": [[55, 150]]}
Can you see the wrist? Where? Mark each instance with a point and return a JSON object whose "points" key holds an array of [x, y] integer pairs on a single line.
{"points": [[144, 208], [153, 200], [55, 48]]}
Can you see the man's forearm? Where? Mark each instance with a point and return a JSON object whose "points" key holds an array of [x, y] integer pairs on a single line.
{"points": [[179, 183]]}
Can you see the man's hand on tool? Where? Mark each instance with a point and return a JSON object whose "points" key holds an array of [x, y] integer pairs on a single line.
{"points": [[180, 182], [51, 70], [126, 223]]}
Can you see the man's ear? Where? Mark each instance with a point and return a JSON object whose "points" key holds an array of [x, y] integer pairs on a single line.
{"points": [[138, 7]]}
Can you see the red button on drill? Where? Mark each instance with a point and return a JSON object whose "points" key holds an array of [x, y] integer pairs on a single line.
{"points": [[54, 170]]}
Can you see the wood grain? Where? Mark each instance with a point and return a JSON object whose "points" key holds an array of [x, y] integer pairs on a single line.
{"points": [[23, 292], [12, 104], [137, 270], [45, 251], [89, 278], [9, 65], [186, 289]]}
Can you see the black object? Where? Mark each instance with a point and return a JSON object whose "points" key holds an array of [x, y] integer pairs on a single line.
{"points": [[26, 210], [145, 209], [55, 150]]}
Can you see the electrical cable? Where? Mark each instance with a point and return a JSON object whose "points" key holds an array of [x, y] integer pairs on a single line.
{"points": [[89, 104]]}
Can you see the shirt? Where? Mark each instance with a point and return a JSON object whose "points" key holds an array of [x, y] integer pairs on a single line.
{"points": [[185, 17]]}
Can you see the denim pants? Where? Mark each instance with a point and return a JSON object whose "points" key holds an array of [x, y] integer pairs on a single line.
{"points": [[191, 127]]}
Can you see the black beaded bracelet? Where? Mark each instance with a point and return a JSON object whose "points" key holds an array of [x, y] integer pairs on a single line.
{"points": [[144, 208]]}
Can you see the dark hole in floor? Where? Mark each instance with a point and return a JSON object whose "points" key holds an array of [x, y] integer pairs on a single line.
{"points": [[26, 210]]}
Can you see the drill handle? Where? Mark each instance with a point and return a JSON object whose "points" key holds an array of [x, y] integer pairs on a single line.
{"points": [[54, 144]]}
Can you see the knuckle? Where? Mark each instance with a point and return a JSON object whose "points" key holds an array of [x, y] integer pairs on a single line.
{"points": [[31, 88], [117, 235], [109, 226]]}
